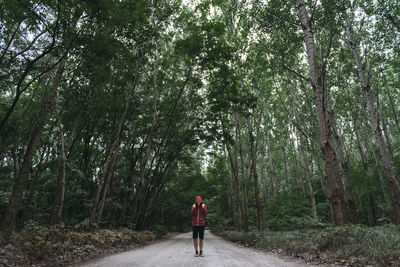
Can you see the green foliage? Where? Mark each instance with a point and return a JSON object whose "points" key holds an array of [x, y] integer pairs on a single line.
{"points": [[60, 245], [352, 244]]}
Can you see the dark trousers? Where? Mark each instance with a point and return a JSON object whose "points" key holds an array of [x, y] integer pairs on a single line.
{"points": [[198, 231]]}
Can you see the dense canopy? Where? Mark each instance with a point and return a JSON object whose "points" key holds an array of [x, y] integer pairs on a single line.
{"points": [[280, 114]]}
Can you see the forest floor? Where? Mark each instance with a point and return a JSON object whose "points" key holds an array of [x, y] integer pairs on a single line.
{"points": [[350, 245], [59, 246], [178, 251]]}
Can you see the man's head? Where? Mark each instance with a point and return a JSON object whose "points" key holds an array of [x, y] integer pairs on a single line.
{"points": [[198, 200]]}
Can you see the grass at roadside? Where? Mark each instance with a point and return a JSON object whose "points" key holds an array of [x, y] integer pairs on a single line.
{"points": [[59, 246], [349, 245]]}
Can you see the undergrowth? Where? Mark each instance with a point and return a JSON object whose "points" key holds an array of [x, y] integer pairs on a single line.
{"points": [[353, 245], [57, 246]]}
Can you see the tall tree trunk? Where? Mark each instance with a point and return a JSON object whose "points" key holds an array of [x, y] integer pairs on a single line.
{"points": [[334, 189], [272, 168], [368, 147], [395, 23], [149, 138], [243, 174], [394, 113], [264, 178], [106, 187], [286, 172], [380, 111], [8, 220], [255, 176], [345, 168], [308, 178], [235, 176], [58, 203], [109, 158], [306, 167], [387, 164]]}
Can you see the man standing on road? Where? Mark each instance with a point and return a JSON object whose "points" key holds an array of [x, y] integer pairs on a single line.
{"points": [[199, 212]]}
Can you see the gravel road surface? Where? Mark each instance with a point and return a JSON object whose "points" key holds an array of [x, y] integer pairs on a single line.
{"points": [[178, 251]]}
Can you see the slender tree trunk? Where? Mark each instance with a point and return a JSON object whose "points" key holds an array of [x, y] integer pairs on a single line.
{"points": [[393, 21], [255, 176], [8, 220], [108, 160], [236, 188], [149, 138], [394, 113], [345, 168], [380, 112], [264, 177], [58, 203], [286, 172], [244, 183], [306, 166], [385, 130], [235, 176], [106, 187], [387, 165], [309, 181], [272, 165], [334, 189], [362, 154]]}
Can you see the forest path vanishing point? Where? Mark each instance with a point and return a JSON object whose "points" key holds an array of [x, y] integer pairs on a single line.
{"points": [[178, 251]]}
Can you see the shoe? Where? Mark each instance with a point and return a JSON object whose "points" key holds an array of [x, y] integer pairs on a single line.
{"points": [[201, 254], [197, 254]]}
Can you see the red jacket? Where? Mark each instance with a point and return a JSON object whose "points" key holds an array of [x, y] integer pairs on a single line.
{"points": [[199, 213]]}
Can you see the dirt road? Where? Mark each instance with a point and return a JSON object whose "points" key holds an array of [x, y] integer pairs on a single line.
{"points": [[178, 251]]}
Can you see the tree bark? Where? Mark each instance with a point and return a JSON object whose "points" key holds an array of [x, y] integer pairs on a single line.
{"points": [[334, 189], [387, 164]]}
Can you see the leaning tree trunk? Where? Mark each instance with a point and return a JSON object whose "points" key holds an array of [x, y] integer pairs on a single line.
{"points": [[334, 189], [106, 187], [8, 220], [394, 113], [109, 158], [370, 147], [387, 164], [149, 138]]}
